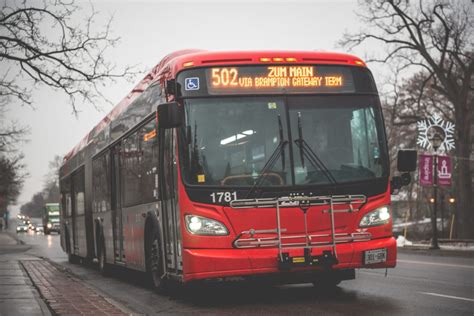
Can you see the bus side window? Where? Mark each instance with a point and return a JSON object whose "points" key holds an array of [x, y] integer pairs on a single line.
{"points": [[78, 187], [101, 183], [149, 164], [139, 166], [66, 197]]}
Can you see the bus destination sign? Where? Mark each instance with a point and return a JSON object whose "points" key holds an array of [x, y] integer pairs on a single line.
{"points": [[279, 79]]}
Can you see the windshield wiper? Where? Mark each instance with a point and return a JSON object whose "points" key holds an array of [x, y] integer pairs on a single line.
{"points": [[306, 151], [279, 151], [282, 140]]}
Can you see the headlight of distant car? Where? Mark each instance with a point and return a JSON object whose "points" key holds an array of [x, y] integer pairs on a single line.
{"points": [[49, 225], [199, 225], [377, 217]]}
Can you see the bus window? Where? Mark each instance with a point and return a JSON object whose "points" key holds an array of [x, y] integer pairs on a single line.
{"points": [[149, 165], [130, 174], [139, 166], [66, 196], [78, 187], [101, 182]]}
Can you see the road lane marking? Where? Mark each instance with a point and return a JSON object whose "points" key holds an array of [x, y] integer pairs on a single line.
{"points": [[448, 296], [414, 279], [437, 264]]}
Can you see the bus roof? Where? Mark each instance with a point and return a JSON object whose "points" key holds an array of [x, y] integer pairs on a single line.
{"points": [[171, 64]]}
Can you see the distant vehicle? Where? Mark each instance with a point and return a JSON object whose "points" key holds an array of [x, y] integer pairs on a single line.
{"points": [[21, 228], [51, 218], [32, 226], [39, 229]]}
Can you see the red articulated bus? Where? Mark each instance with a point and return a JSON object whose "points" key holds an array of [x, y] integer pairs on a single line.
{"points": [[224, 165]]}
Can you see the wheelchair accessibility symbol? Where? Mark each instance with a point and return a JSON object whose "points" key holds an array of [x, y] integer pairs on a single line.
{"points": [[191, 84]]}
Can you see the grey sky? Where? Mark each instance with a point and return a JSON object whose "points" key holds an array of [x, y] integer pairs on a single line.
{"points": [[151, 29]]}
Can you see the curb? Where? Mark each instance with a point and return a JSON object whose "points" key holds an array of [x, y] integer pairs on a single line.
{"points": [[435, 252], [39, 298], [51, 280], [18, 240], [104, 295]]}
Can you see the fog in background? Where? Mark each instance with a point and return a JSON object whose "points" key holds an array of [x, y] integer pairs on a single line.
{"points": [[149, 30]]}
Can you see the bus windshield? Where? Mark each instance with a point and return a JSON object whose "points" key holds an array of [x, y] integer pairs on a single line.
{"points": [[229, 141]]}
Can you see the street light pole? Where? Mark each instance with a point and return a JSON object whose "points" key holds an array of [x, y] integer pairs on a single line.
{"points": [[436, 141], [434, 240]]}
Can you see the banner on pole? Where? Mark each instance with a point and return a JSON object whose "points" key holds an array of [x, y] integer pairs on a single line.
{"points": [[426, 169], [444, 170]]}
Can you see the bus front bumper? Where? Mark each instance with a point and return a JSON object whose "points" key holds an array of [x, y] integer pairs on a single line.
{"points": [[202, 264]]}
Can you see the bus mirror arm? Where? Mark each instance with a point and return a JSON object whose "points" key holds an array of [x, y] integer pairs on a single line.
{"points": [[398, 182], [170, 115], [406, 163]]}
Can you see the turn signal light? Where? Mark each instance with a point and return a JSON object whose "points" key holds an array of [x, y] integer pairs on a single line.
{"points": [[188, 64]]}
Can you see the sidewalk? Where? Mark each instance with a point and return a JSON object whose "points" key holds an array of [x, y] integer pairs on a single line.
{"points": [[17, 293], [33, 286]]}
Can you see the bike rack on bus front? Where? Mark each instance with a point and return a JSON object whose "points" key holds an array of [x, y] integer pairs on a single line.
{"points": [[273, 237]]}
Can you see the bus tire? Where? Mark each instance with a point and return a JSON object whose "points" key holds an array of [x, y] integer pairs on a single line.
{"points": [[73, 258], [154, 262], [104, 267]]}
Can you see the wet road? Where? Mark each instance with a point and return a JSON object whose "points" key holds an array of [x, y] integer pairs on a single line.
{"points": [[421, 284]]}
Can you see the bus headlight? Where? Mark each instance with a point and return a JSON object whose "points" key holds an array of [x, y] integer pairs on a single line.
{"points": [[198, 225], [380, 216], [49, 225]]}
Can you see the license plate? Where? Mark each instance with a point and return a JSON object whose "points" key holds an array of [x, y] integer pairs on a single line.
{"points": [[375, 256]]}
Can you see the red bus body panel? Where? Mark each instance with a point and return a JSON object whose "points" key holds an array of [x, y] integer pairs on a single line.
{"points": [[221, 263]]}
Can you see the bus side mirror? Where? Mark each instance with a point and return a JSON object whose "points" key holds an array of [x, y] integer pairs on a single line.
{"points": [[170, 115], [406, 160]]}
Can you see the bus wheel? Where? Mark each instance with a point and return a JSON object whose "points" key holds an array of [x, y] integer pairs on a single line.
{"points": [[103, 265], [155, 264], [72, 258]]}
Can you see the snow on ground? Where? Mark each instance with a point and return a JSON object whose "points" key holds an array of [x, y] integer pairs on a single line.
{"points": [[455, 245], [402, 241]]}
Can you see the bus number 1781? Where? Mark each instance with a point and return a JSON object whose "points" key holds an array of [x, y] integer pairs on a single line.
{"points": [[219, 197]]}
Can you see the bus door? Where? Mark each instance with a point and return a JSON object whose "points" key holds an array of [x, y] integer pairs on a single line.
{"points": [[75, 248], [169, 202], [117, 223]]}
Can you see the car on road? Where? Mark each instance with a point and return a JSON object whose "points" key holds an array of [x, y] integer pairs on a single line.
{"points": [[39, 229], [21, 228]]}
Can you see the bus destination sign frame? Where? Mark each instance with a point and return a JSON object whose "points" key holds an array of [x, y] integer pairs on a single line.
{"points": [[279, 79]]}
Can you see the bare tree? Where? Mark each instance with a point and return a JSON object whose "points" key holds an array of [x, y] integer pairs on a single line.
{"points": [[11, 180], [437, 38], [46, 42], [53, 174], [12, 172], [11, 133]]}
